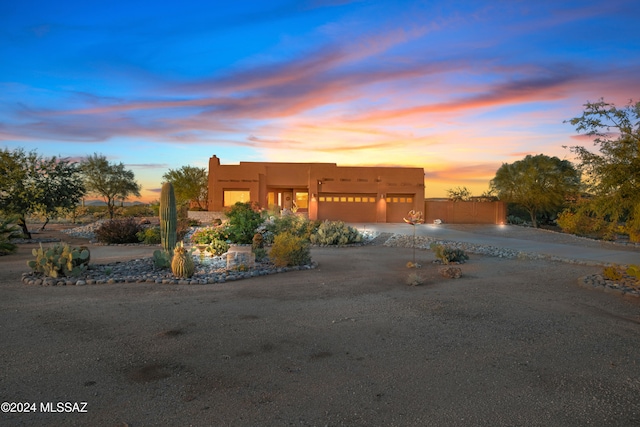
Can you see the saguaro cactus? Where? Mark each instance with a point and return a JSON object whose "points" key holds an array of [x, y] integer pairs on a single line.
{"points": [[168, 217]]}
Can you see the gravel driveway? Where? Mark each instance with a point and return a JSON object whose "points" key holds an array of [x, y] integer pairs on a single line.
{"points": [[512, 342]]}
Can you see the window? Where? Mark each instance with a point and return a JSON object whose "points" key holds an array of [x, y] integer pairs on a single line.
{"points": [[231, 197], [302, 200]]}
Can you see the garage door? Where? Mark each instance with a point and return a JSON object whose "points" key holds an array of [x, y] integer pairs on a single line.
{"points": [[347, 207], [398, 206]]}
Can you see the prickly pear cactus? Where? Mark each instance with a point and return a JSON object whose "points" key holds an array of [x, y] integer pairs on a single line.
{"points": [[182, 264], [60, 260], [168, 217]]}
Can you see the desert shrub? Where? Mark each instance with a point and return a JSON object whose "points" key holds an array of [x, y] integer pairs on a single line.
{"points": [[162, 259], [182, 228], [297, 225], [207, 235], [119, 231], [260, 253], [217, 247], [448, 255], [581, 223], [74, 215], [515, 220], [155, 208], [60, 260], [612, 272], [634, 271], [8, 231], [335, 233], [630, 274], [136, 211], [289, 250], [244, 219], [149, 235], [415, 279]]}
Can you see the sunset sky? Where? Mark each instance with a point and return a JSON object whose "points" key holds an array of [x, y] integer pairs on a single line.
{"points": [[455, 87]]}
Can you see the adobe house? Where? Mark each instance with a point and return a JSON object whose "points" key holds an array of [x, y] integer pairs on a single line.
{"points": [[319, 190]]}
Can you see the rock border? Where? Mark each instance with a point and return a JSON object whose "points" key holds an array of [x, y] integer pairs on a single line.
{"points": [[113, 273]]}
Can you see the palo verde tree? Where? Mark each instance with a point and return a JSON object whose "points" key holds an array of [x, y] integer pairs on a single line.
{"points": [[459, 194], [112, 182], [30, 183], [612, 176], [540, 184], [189, 183]]}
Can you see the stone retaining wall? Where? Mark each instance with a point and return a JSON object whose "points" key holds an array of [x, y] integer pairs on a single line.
{"points": [[206, 217]]}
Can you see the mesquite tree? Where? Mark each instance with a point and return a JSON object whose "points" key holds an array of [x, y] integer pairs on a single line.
{"points": [[540, 184]]}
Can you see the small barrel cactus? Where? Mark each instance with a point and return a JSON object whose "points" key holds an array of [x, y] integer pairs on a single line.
{"points": [[182, 264], [258, 241]]}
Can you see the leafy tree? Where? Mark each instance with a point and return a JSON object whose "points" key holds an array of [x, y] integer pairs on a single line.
{"points": [[62, 186], [189, 183], [112, 182], [540, 184], [613, 174], [459, 194], [32, 184]]}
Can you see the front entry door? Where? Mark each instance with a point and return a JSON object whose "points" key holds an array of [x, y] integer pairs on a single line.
{"points": [[287, 200]]}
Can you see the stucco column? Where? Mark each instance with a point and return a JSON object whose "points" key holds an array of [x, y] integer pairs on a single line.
{"points": [[381, 207]]}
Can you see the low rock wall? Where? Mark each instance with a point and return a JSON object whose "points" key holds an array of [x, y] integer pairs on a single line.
{"points": [[206, 217]]}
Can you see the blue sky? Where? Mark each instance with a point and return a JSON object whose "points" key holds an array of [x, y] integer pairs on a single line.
{"points": [[456, 87]]}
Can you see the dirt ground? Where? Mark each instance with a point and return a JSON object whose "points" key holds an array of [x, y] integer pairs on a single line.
{"points": [[512, 342]]}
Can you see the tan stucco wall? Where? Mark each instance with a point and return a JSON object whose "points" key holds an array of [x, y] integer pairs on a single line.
{"points": [[450, 212]]}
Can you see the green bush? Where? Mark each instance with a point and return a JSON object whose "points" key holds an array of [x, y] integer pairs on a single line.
{"points": [[448, 255], [297, 225], [149, 235], [244, 219], [8, 231], [119, 231], [207, 235], [335, 233], [289, 250], [217, 247]]}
